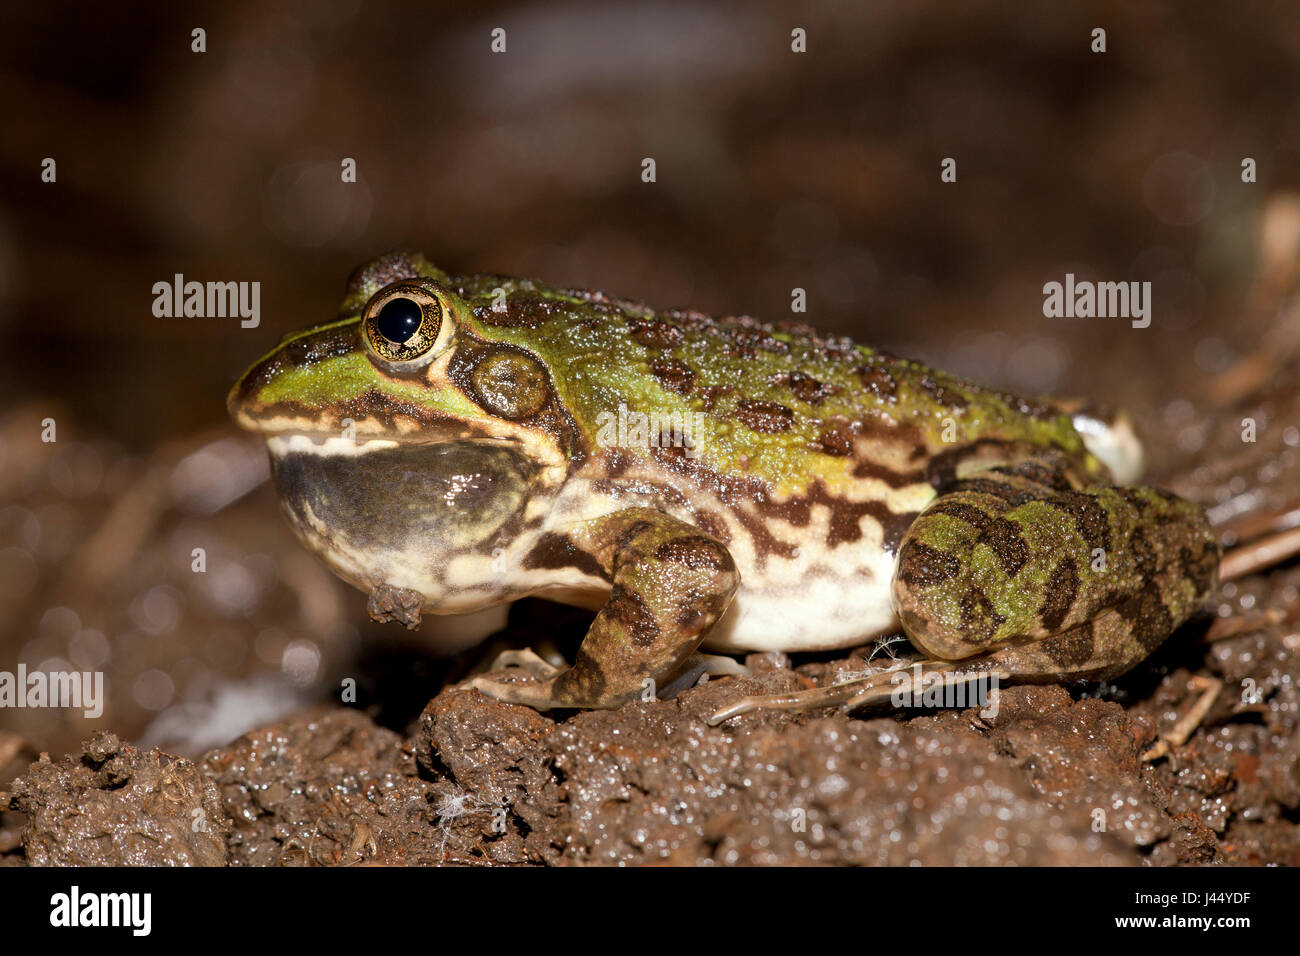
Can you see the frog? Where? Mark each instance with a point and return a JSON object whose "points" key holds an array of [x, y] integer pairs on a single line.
{"points": [[469, 441]]}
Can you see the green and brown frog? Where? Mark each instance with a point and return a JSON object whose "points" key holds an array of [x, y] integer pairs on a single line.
{"points": [[474, 440]]}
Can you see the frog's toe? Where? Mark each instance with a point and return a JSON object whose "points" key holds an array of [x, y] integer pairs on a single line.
{"points": [[896, 686], [566, 689], [527, 659], [538, 694], [699, 665]]}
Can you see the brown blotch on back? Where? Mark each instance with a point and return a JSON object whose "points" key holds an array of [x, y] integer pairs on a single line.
{"points": [[654, 334], [711, 395], [688, 318], [607, 304], [766, 417], [836, 439], [525, 310], [878, 380], [804, 387], [1028, 407], [941, 393], [749, 334], [674, 375]]}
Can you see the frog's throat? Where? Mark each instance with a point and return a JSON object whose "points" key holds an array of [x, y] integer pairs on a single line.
{"points": [[548, 467], [407, 515]]}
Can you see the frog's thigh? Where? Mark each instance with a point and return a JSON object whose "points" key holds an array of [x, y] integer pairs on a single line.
{"points": [[1054, 583], [670, 583]]}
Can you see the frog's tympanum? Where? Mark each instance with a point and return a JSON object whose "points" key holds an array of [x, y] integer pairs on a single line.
{"points": [[719, 483]]}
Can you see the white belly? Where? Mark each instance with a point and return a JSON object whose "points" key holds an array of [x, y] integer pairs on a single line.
{"points": [[817, 610]]}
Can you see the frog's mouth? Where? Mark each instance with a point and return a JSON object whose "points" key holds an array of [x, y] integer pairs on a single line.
{"points": [[333, 445]]}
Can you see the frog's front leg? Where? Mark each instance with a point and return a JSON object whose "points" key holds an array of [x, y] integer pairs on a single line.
{"points": [[1018, 575], [669, 583]]}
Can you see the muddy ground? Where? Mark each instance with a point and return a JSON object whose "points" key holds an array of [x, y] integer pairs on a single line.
{"points": [[1051, 780]]}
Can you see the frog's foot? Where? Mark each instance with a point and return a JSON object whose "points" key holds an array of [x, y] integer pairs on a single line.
{"points": [[539, 695], [528, 659], [530, 693], [697, 667], [669, 583], [960, 683], [700, 666]]}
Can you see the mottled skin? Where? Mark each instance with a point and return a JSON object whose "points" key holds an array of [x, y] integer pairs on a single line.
{"points": [[832, 492]]}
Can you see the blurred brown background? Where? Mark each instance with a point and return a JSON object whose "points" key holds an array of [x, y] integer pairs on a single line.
{"points": [[775, 170]]}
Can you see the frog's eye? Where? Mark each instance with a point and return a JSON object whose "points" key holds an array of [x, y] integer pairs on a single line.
{"points": [[510, 384], [401, 322]]}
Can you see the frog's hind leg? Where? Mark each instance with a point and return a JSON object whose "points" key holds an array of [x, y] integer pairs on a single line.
{"points": [[1017, 575], [670, 582], [1074, 584]]}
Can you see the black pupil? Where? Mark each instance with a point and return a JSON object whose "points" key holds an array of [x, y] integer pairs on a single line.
{"points": [[399, 319]]}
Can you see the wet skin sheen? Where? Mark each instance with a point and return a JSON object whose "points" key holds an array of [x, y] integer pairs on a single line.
{"points": [[458, 439]]}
